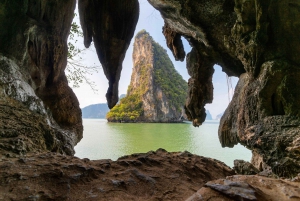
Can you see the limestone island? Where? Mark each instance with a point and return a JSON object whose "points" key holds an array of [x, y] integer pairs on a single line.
{"points": [[156, 92]]}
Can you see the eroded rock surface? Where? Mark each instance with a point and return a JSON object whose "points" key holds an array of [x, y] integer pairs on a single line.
{"points": [[205, 24], [257, 41], [240, 187], [111, 25], [152, 176], [264, 115], [39, 111], [244, 168]]}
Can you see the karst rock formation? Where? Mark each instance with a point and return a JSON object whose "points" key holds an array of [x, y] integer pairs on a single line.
{"points": [[38, 110], [156, 92], [255, 40]]}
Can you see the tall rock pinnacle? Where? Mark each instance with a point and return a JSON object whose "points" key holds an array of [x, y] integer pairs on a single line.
{"points": [[156, 92]]}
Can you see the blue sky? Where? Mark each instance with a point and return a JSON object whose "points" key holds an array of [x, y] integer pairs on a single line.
{"points": [[151, 21]]}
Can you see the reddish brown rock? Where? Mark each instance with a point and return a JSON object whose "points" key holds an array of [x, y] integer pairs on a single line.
{"points": [[152, 176], [240, 187]]}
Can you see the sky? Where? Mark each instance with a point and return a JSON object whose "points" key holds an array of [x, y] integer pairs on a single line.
{"points": [[150, 20]]}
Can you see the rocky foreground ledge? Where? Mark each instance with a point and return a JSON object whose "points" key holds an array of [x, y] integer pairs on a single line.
{"points": [[156, 175]]}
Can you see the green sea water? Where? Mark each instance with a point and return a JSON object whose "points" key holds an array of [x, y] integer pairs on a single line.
{"points": [[103, 140]]}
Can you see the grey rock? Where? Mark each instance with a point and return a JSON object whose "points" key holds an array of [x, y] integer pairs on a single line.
{"points": [[237, 190]]}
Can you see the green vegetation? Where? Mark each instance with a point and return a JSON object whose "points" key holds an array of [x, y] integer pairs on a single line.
{"points": [[129, 109], [76, 71], [165, 77]]}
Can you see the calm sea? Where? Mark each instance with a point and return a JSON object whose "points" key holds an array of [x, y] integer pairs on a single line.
{"points": [[103, 140]]}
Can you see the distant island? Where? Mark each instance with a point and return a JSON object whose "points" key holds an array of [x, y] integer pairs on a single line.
{"points": [[208, 115], [95, 111], [219, 116], [99, 111], [156, 92]]}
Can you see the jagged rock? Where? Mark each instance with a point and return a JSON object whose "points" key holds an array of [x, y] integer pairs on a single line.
{"points": [[156, 175], [206, 33], [271, 129], [110, 24], [244, 168], [200, 91], [174, 43], [38, 110], [257, 41], [267, 96], [236, 190], [240, 187], [156, 92]]}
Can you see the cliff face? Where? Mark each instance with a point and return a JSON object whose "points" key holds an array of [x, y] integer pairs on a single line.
{"points": [[38, 110], [256, 40], [155, 86]]}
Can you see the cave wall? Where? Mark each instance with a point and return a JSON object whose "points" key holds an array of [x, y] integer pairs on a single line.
{"points": [[257, 41], [264, 114], [205, 24], [39, 111]]}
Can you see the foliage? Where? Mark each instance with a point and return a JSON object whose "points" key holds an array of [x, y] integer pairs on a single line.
{"points": [[165, 76], [77, 72], [129, 109]]}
